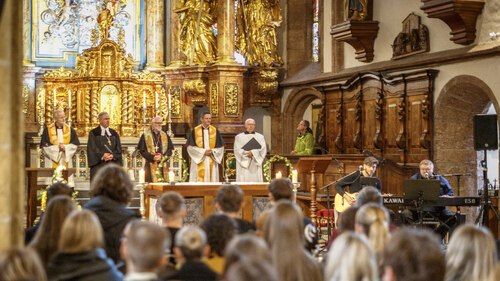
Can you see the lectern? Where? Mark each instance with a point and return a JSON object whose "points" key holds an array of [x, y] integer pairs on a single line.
{"points": [[313, 165]]}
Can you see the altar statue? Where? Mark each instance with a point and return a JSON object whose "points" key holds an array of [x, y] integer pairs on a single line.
{"points": [[356, 9]]}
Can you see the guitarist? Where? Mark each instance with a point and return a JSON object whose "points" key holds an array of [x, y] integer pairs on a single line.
{"points": [[349, 186]]}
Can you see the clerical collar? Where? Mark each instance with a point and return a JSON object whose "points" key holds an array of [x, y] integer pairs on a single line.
{"points": [[105, 131], [246, 132], [205, 128]]}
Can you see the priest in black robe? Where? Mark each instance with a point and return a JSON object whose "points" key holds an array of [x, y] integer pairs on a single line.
{"points": [[153, 145], [104, 146]]}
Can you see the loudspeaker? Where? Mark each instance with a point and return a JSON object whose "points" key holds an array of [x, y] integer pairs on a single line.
{"points": [[485, 132]]}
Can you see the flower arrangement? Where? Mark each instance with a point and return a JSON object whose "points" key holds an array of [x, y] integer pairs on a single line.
{"points": [[276, 158], [57, 176], [163, 162]]}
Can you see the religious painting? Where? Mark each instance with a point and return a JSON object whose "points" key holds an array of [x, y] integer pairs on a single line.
{"points": [[61, 28], [111, 103]]}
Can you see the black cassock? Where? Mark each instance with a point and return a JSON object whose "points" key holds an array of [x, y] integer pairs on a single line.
{"points": [[98, 145]]}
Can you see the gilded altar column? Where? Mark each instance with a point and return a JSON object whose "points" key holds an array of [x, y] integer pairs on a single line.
{"points": [[176, 56], [225, 36], [155, 22]]}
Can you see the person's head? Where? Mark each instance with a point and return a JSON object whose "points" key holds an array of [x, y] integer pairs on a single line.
{"points": [[347, 219], [206, 119], [351, 258], [144, 246], [250, 270], [103, 118], [156, 123], [49, 233], [58, 188], [220, 229], [59, 117], [246, 247], [81, 232], [303, 127], [280, 189], [229, 198], [372, 221], [426, 168], [250, 125], [369, 194], [21, 264], [369, 166], [171, 207], [414, 255], [471, 254], [190, 243], [113, 182]]}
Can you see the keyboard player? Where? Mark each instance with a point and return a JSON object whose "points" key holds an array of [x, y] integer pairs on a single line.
{"points": [[410, 216]]}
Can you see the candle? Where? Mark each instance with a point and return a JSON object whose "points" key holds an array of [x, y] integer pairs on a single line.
{"points": [[55, 98], [279, 175], [295, 176], [142, 175], [156, 102], [69, 101], [171, 176], [131, 175]]}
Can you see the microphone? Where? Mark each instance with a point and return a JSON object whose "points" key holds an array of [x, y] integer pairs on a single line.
{"points": [[426, 176], [360, 168]]}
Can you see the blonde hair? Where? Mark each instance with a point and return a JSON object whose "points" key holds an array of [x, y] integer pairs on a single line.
{"points": [[21, 264], [471, 254], [351, 259], [81, 232], [374, 221], [45, 242], [245, 247], [284, 233]]}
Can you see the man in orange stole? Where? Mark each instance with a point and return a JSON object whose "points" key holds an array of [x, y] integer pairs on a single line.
{"points": [[205, 147], [59, 141], [153, 145]]}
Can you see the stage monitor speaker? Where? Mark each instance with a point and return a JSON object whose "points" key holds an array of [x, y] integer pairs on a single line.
{"points": [[485, 132]]}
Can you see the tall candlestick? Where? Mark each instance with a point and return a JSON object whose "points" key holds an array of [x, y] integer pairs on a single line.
{"points": [[55, 99], [295, 176], [156, 103], [142, 175], [171, 176]]}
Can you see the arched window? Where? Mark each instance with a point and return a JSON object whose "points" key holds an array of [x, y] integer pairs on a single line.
{"points": [[315, 31]]}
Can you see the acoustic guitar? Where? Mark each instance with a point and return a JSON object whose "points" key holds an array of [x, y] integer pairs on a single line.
{"points": [[341, 204]]}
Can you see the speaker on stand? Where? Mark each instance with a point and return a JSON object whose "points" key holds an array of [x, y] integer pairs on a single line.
{"points": [[485, 138]]}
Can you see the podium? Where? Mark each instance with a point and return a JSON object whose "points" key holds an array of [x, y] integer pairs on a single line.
{"points": [[313, 165], [33, 187]]}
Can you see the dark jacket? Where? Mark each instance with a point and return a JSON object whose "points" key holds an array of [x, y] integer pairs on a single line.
{"points": [[87, 266], [113, 216], [194, 270], [97, 145]]}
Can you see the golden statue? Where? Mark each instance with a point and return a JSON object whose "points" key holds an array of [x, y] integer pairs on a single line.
{"points": [[105, 21], [256, 22], [197, 40], [356, 9]]}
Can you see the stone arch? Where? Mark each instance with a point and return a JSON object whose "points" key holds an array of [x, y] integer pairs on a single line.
{"points": [[294, 109], [460, 99]]}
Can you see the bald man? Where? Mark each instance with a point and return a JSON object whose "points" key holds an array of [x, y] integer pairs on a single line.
{"points": [[250, 152], [59, 141], [153, 145]]}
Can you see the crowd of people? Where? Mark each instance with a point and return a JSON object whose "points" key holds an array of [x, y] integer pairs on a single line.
{"points": [[107, 241]]}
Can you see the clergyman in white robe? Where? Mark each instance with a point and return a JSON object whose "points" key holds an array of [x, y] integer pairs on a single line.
{"points": [[249, 168], [205, 168]]}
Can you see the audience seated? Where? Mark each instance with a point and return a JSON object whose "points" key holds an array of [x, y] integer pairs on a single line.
{"points": [[81, 256], [251, 270], [111, 191], [372, 220], [46, 240], [414, 255], [282, 189], [246, 247], [171, 208], [345, 223], [220, 229], [190, 247], [57, 188], [284, 233], [351, 259], [229, 201], [143, 249], [471, 254], [21, 264], [369, 194]]}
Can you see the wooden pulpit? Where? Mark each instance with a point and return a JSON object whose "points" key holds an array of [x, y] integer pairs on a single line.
{"points": [[33, 187], [313, 165]]}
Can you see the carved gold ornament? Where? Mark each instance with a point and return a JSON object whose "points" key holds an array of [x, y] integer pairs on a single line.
{"points": [[231, 100]]}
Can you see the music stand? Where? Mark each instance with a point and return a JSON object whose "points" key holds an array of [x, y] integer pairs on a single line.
{"points": [[422, 192], [368, 181]]}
